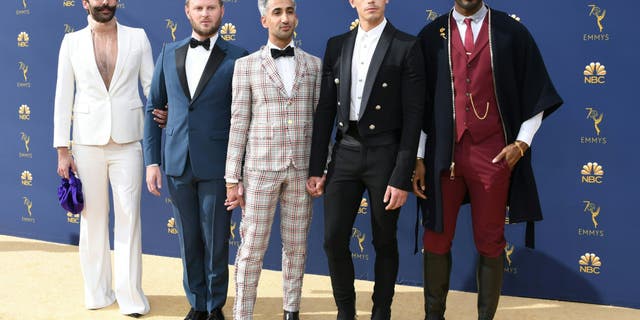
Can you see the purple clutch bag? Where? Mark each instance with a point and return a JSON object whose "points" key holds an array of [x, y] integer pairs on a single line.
{"points": [[70, 194]]}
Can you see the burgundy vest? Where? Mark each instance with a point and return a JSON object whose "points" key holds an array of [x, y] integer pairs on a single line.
{"points": [[473, 81]]}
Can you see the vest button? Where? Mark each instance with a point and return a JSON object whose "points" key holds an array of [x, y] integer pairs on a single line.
{"points": [[468, 80], [467, 94]]}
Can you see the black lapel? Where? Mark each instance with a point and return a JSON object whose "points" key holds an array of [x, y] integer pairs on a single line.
{"points": [[376, 61], [215, 59], [346, 55], [181, 57]]}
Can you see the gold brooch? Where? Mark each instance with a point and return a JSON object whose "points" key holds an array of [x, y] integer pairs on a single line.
{"points": [[442, 34]]}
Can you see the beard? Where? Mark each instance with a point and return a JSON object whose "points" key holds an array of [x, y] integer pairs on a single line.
{"points": [[469, 5], [96, 13], [206, 33]]}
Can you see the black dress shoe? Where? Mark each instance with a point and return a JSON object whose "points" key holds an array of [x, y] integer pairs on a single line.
{"points": [[216, 314], [196, 315], [291, 315], [134, 315]]}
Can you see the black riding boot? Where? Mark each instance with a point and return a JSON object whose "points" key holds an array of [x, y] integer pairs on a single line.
{"points": [[489, 278], [436, 270]]}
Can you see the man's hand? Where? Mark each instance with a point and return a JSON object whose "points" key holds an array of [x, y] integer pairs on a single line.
{"points": [[418, 182], [154, 180], [512, 153], [315, 185], [235, 196], [160, 116], [65, 160], [395, 198]]}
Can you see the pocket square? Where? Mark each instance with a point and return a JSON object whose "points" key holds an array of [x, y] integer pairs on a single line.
{"points": [[70, 194]]}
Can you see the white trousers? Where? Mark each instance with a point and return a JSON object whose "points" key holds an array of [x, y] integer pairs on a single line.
{"points": [[121, 166]]}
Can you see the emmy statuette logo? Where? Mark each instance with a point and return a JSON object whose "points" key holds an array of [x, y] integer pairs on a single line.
{"points": [[431, 15], [595, 117], [28, 204], [594, 73], [509, 266], [228, 32], [68, 28], [171, 226], [592, 173], [593, 211], [172, 26], [23, 8], [360, 237], [26, 139], [598, 14], [590, 263], [26, 178], [234, 234], [24, 112], [24, 71]]}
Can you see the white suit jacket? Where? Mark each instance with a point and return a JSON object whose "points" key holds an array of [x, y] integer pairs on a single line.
{"points": [[100, 114]]}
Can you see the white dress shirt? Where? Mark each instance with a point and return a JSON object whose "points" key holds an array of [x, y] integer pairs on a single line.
{"points": [[286, 67], [196, 61], [365, 46], [528, 128]]}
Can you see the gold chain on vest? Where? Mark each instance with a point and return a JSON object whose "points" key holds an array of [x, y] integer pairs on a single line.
{"points": [[473, 105]]}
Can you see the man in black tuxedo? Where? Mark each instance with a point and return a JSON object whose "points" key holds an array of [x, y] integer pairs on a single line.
{"points": [[372, 79]]}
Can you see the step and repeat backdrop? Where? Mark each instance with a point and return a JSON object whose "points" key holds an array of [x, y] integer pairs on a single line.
{"points": [[584, 154]]}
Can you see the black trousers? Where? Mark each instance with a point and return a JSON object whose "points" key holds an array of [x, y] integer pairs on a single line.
{"points": [[353, 169]]}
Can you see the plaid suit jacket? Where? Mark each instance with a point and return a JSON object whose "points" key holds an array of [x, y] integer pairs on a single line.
{"points": [[269, 129]]}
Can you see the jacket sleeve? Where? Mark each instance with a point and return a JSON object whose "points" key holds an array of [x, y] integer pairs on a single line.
{"points": [[63, 105]]}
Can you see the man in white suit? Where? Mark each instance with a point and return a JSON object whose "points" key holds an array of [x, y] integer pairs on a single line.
{"points": [[98, 72], [275, 91]]}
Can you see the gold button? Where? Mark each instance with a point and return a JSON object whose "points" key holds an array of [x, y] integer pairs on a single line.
{"points": [[341, 124], [378, 107], [336, 80], [371, 127], [338, 103], [384, 85]]}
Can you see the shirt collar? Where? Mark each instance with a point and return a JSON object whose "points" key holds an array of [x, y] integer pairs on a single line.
{"points": [[213, 38], [375, 32], [273, 46], [476, 17]]}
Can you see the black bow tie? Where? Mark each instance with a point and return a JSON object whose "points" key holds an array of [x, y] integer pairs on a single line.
{"points": [[194, 43], [287, 52]]}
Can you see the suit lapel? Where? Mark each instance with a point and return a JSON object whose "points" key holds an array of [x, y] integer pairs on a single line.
{"points": [[123, 54], [346, 55], [269, 66], [181, 57], [483, 38], [215, 59], [376, 61], [301, 71]]}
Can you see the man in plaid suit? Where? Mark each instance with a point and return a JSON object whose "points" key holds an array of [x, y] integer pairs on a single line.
{"points": [[274, 94]]}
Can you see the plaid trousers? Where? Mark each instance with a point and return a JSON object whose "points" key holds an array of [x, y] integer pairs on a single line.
{"points": [[263, 189]]}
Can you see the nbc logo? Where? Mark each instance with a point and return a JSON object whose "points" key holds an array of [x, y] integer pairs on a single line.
{"points": [[363, 206], [354, 24], [73, 218], [171, 226], [591, 173], [26, 178], [590, 263], [24, 112], [360, 238], [68, 3], [23, 39], [172, 26], [594, 73], [228, 32]]}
